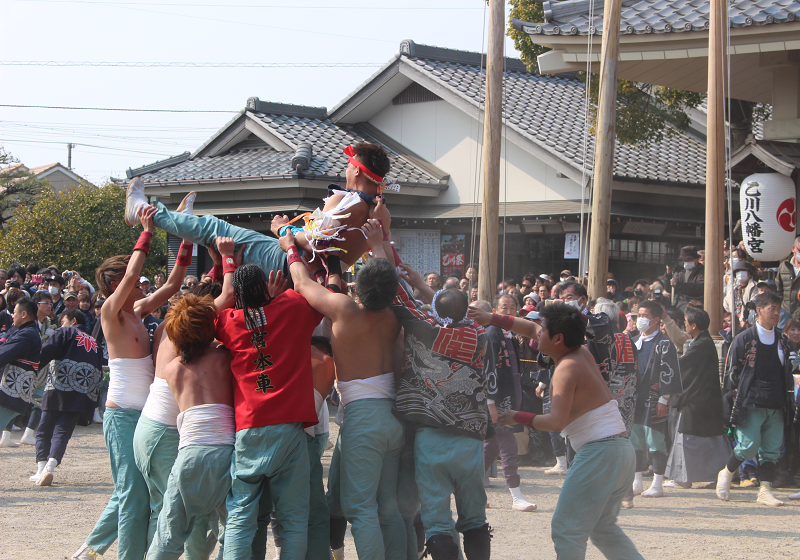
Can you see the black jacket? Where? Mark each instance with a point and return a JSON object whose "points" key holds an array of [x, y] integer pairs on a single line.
{"points": [[19, 362], [499, 378], [740, 372], [689, 285], [700, 404], [660, 376], [788, 284], [72, 362]]}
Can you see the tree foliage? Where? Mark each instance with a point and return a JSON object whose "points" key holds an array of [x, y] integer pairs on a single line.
{"points": [[18, 187], [645, 113], [76, 229]]}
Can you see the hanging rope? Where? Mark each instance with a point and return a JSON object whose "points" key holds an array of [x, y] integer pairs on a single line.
{"points": [[478, 159], [584, 235], [504, 143], [726, 87]]}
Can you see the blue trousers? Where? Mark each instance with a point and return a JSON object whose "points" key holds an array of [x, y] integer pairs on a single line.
{"points": [[269, 462], [370, 458], [590, 499], [53, 433], [198, 485], [449, 464], [645, 436], [128, 511], [333, 495], [761, 434], [260, 249], [408, 496], [6, 416]]}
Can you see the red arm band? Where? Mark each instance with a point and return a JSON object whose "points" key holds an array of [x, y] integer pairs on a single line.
{"points": [[216, 273], [524, 418], [505, 322], [184, 257], [397, 260], [228, 264], [143, 244], [293, 256]]}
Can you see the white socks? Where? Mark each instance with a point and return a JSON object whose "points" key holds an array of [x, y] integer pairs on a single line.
{"points": [[637, 484], [6, 441], [519, 503], [765, 496], [39, 470], [46, 478], [656, 489], [724, 479], [561, 467], [29, 437]]}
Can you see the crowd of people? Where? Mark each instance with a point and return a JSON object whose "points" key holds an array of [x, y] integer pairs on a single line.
{"points": [[214, 391]]}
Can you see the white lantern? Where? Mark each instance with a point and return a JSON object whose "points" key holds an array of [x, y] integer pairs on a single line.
{"points": [[769, 215]]}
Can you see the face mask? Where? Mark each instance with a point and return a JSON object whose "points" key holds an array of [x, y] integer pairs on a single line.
{"points": [[642, 324], [741, 277], [576, 303], [53, 290], [688, 265], [734, 261]]}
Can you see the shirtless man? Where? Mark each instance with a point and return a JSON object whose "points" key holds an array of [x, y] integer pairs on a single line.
{"points": [[363, 337], [583, 410], [367, 166], [131, 372], [200, 378]]}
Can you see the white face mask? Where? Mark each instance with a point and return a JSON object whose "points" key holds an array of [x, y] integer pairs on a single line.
{"points": [[642, 324], [735, 261], [53, 290], [576, 303], [689, 265], [742, 276]]}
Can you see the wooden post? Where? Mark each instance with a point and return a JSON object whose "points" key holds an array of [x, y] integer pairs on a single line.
{"points": [[604, 152], [715, 165], [492, 130]]}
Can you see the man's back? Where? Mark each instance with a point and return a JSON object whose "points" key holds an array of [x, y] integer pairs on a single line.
{"points": [[362, 343], [205, 380]]}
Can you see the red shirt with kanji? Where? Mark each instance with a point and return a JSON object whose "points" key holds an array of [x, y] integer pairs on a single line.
{"points": [[271, 364]]}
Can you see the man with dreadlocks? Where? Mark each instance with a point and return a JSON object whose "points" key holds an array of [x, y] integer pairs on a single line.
{"points": [[269, 340], [371, 437], [333, 227], [442, 395]]}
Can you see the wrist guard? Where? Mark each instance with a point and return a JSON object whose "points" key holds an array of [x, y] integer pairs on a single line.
{"points": [[334, 265], [293, 256], [143, 243], [524, 418], [216, 273], [505, 322], [228, 264], [184, 257]]}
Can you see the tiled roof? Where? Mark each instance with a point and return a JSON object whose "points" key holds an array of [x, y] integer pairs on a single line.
{"points": [[549, 110], [258, 161], [571, 17]]}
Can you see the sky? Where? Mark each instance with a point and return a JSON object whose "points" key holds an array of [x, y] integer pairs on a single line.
{"points": [[197, 31]]}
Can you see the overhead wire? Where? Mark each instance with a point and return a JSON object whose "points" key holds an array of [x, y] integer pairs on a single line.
{"points": [[126, 64], [82, 144], [583, 240], [478, 144], [124, 109], [250, 6]]}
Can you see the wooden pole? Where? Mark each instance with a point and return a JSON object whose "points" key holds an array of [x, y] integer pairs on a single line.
{"points": [[715, 166], [492, 130], [604, 152]]}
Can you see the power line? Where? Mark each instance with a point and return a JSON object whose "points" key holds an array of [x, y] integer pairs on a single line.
{"points": [[253, 6], [193, 64], [115, 109], [87, 145]]}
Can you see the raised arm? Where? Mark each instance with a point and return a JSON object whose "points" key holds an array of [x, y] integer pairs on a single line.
{"points": [[324, 301], [415, 281], [225, 246], [147, 305], [117, 299], [517, 325]]}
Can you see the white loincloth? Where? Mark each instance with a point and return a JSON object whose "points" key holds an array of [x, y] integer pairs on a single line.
{"points": [[130, 380], [602, 422], [161, 405], [207, 424], [378, 387]]}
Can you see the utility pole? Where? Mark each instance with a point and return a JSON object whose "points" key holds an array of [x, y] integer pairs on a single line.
{"points": [[715, 164], [492, 130], [69, 156], [604, 151]]}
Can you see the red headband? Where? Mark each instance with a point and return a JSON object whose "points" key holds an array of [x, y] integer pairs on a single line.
{"points": [[374, 177]]}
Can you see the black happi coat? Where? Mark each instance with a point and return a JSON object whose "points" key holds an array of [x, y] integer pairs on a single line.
{"points": [[72, 362], [700, 404], [660, 376], [19, 362], [442, 381]]}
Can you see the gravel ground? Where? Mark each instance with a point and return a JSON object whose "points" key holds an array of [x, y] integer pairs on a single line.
{"points": [[51, 523]]}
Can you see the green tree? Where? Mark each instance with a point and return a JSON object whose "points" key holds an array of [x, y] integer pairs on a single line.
{"points": [[18, 187], [645, 113], [76, 229]]}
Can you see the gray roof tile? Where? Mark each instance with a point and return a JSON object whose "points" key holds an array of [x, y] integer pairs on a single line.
{"points": [[549, 111], [659, 16]]}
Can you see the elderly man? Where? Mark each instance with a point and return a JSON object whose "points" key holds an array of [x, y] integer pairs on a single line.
{"points": [[788, 280], [689, 282]]}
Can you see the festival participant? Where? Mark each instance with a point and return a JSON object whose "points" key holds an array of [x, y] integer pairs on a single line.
{"points": [[269, 340], [131, 373], [200, 378], [331, 228], [371, 437], [155, 441], [442, 393], [72, 365], [758, 370], [659, 377], [583, 410], [19, 360]]}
